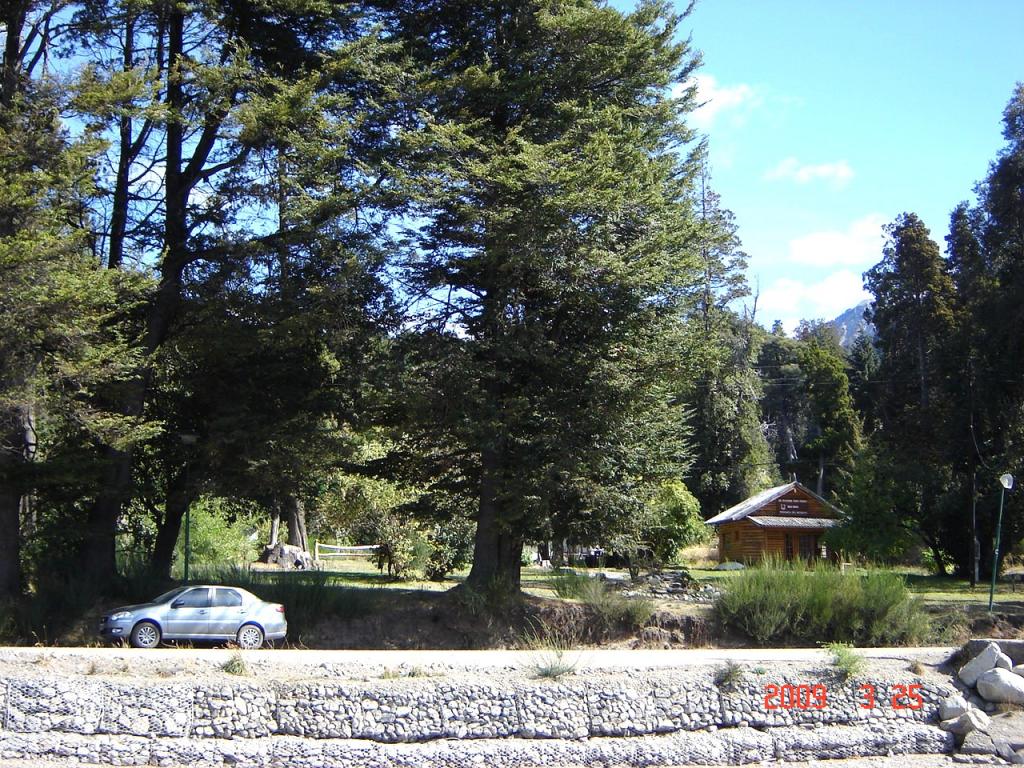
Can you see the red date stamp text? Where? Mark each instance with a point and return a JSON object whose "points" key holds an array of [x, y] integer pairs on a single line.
{"points": [[787, 696]]}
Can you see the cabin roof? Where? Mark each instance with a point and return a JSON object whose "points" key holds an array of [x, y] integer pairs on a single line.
{"points": [[794, 522], [757, 501]]}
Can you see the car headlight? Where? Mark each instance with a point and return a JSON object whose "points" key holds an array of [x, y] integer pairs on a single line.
{"points": [[120, 615]]}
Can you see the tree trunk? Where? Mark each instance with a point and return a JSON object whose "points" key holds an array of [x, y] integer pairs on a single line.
{"points": [[275, 524], [14, 16], [98, 550], [296, 514], [180, 496], [12, 434], [125, 155], [821, 475], [497, 551], [11, 459]]}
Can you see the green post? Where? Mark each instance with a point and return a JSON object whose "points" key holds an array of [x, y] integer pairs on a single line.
{"points": [[1005, 481]]}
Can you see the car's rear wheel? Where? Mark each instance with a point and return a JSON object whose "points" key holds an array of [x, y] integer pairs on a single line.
{"points": [[249, 637], [145, 634]]}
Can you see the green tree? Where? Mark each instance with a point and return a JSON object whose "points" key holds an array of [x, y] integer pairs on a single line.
{"points": [[549, 254], [982, 385], [834, 434], [245, 151], [871, 498], [64, 324], [782, 403], [718, 382], [913, 316], [863, 374]]}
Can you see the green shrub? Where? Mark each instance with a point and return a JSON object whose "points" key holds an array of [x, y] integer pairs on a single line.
{"points": [[845, 660], [569, 585], [236, 665], [223, 532], [451, 547], [729, 676], [610, 608], [554, 645], [402, 547], [781, 603]]}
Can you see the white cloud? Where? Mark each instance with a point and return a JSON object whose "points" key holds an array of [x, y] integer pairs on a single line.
{"points": [[838, 173], [859, 245], [716, 99], [792, 300]]}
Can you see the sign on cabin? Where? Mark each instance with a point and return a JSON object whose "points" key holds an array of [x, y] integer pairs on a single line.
{"points": [[793, 507]]}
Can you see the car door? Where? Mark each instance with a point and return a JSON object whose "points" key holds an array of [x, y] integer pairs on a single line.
{"points": [[189, 614], [227, 613]]}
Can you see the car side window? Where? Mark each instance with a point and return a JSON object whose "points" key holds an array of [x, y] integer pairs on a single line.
{"points": [[195, 598], [227, 598]]}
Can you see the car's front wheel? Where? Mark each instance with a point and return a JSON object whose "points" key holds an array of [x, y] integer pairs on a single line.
{"points": [[145, 634], [250, 637]]}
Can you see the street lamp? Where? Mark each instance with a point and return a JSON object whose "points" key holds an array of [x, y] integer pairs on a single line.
{"points": [[188, 439], [1006, 481]]}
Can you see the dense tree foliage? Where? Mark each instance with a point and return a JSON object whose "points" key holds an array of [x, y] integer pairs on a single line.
{"points": [[548, 257], [450, 277], [718, 384], [942, 393]]}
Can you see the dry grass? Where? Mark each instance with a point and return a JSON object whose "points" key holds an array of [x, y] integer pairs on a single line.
{"points": [[699, 556]]}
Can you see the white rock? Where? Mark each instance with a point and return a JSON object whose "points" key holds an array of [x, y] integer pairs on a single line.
{"points": [[989, 658], [971, 720], [952, 707], [1018, 670], [1001, 685], [1006, 752]]}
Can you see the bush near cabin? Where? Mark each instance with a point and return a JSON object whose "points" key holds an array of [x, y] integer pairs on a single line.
{"points": [[783, 603]]}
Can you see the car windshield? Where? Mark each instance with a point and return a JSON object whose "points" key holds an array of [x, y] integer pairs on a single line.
{"points": [[169, 595]]}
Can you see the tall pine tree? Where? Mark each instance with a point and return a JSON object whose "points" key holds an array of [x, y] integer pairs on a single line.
{"points": [[549, 259]]}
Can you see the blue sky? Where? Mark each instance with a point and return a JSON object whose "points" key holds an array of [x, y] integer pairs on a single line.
{"points": [[827, 118]]}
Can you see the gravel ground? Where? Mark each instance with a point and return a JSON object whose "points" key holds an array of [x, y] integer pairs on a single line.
{"points": [[897, 761], [165, 663]]}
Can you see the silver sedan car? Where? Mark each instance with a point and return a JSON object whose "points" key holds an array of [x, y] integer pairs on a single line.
{"points": [[197, 613]]}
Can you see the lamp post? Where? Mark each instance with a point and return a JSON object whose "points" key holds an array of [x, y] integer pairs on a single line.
{"points": [[188, 439], [1006, 481]]}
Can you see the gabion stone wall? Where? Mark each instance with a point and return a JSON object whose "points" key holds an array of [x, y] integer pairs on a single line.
{"points": [[730, 746], [463, 707]]}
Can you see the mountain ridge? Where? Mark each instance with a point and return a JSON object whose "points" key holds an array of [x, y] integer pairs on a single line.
{"points": [[852, 322]]}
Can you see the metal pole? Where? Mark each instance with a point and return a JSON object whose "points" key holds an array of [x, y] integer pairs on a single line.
{"points": [[975, 546], [995, 553]]}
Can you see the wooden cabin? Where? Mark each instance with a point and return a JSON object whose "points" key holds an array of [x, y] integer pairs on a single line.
{"points": [[786, 522]]}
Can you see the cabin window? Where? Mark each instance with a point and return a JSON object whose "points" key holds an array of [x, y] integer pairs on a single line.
{"points": [[808, 545]]}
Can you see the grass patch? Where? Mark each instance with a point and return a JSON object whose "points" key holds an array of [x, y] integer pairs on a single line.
{"points": [[570, 585], [307, 596], [236, 665], [553, 665], [611, 609], [729, 676], [554, 644], [792, 603], [846, 661]]}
